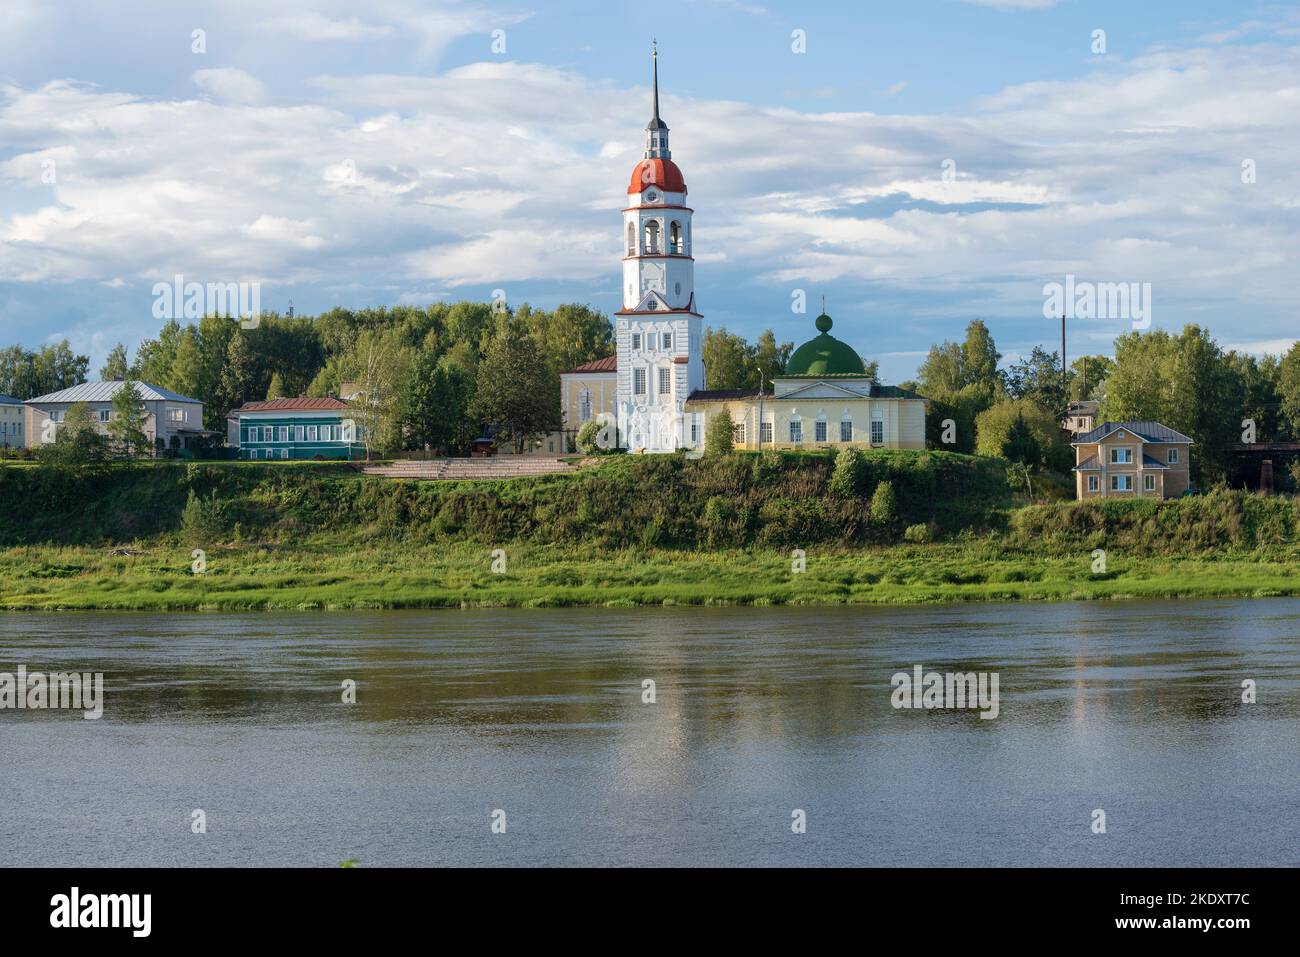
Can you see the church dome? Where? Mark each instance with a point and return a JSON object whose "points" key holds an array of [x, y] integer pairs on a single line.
{"points": [[825, 355], [657, 172]]}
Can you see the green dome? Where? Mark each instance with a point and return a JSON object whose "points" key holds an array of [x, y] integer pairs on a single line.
{"points": [[825, 355]]}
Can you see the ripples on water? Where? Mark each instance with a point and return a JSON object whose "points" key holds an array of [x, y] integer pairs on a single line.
{"points": [[1132, 708]]}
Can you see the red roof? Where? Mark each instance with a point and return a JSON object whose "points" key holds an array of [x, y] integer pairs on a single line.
{"points": [[607, 364], [657, 172], [295, 405]]}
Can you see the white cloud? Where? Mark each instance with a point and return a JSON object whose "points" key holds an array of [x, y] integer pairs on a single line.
{"points": [[314, 26], [230, 84]]}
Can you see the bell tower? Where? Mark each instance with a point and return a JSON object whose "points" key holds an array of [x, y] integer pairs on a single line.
{"points": [[658, 330]]}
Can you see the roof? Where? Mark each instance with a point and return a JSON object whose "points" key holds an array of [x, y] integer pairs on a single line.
{"points": [[607, 364], [663, 173], [824, 355], [10, 400], [104, 392], [326, 404], [1146, 431], [724, 395], [1083, 407]]}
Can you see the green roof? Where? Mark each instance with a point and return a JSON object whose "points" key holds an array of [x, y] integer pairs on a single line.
{"points": [[825, 355]]}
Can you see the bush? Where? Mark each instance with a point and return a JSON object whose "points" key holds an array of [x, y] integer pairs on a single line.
{"points": [[597, 438], [918, 534], [846, 479], [720, 435], [204, 521], [884, 504]]}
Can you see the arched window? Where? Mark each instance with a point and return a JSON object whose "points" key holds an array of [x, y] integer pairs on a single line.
{"points": [[651, 237], [675, 239], [631, 239]]}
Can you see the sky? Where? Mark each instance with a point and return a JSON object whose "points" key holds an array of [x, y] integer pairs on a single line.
{"points": [[919, 164]]}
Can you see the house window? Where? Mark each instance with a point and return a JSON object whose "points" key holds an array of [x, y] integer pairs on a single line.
{"points": [[695, 433], [1121, 483], [819, 432], [796, 431], [1094, 483], [765, 432], [299, 433], [668, 336], [638, 381], [56, 416], [665, 381], [877, 432], [738, 432], [311, 433], [636, 340], [103, 415], [846, 430], [1172, 458], [584, 405], [1121, 456], [284, 453], [650, 341], [176, 415], [283, 431], [1149, 483]]}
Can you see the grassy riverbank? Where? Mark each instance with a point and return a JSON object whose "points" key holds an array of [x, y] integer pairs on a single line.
{"points": [[317, 575], [631, 531]]}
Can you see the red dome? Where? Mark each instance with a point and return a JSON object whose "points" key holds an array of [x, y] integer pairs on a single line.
{"points": [[657, 172]]}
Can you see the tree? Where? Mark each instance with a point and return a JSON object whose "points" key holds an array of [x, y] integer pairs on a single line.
{"points": [[1039, 379], [126, 424], [77, 444], [116, 367], [980, 357], [720, 434], [1087, 373], [1004, 426], [437, 403], [884, 504], [517, 393], [1288, 386], [732, 363], [239, 375], [276, 389], [378, 365], [849, 472]]}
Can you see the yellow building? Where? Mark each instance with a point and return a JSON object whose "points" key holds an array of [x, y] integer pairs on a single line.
{"points": [[11, 423], [825, 398], [587, 392]]}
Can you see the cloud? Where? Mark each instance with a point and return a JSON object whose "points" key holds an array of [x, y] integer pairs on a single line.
{"points": [[230, 84], [314, 26]]}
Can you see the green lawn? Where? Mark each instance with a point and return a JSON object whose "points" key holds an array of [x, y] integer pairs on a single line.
{"points": [[321, 574]]}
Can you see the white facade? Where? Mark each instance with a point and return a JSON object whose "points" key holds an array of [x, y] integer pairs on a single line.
{"points": [[657, 332]]}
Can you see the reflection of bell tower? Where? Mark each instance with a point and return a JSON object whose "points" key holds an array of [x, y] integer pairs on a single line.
{"points": [[658, 330]]}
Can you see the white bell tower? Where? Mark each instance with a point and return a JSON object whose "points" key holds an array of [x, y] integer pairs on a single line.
{"points": [[658, 330]]}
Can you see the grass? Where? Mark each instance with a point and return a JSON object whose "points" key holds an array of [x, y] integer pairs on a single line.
{"points": [[317, 574]]}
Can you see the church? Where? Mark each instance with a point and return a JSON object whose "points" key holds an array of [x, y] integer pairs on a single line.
{"points": [[657, 380]]}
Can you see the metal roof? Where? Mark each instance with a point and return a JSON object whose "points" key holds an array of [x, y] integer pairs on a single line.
{"points": [[608, 364], [104, 392], [1147, 431], [10, 400], [326, 404]]}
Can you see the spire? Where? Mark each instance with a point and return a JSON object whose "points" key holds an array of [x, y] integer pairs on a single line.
{"points": [[656, 131], [654, 60]]}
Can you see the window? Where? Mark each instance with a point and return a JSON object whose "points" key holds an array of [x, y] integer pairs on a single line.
{"points": [[284, 453], [1172, 458], [636, 340], [1094, 483], [103, 415], [283, 433], [877, 432], [650, 341], [298, 433], [56, 416], [819, 432], [738, 430], [675, 238], [846, 430], [1149, 483], [1121, 456], [311, 433], [176, 415], [765, 432], [695, 433], [651, 237], [665, 381], [1121, 483], [796, 431], [638, 381], [584, 405], [631, 239], [668, 336]]}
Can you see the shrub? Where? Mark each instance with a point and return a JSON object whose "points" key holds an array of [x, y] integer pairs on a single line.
{"points": [[884, 504], [917, 534], [204, 521], [597, 438], [847, 477], [720, 435]]}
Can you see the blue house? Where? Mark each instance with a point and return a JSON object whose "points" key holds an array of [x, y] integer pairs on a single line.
{"points": [[296, 429]]}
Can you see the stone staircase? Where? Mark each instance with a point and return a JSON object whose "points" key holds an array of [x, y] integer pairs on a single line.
{"points": [[495, 467]]}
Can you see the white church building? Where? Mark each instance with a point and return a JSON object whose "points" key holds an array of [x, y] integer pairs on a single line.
{"points": [[660, 401]]}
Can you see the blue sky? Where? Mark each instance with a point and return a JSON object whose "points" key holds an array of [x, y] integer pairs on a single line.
{"points": [[347, 154]]}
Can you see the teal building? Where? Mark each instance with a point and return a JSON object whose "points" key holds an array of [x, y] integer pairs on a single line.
{"points": [[296, 429]]}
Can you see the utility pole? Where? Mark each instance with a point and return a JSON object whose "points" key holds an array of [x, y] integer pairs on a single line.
{"points": [[762, 384]]}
